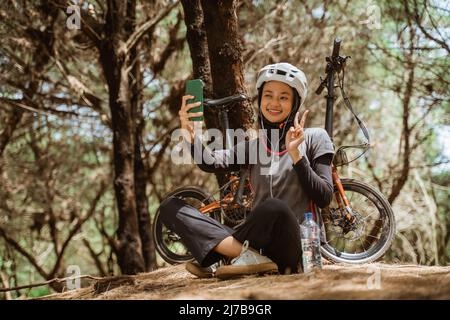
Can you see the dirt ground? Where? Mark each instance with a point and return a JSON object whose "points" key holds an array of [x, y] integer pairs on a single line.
{"points": [[373, 281]]}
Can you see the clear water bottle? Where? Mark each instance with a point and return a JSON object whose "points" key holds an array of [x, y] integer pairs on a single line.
{"points": [[310, 237]]}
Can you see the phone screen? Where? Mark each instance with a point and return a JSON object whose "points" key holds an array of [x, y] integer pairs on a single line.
{"points": [[195, 88]]}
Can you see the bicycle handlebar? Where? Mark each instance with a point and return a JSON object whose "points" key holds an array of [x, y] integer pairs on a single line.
{"points": [[320, 88], [336, 48], [329, 69]]}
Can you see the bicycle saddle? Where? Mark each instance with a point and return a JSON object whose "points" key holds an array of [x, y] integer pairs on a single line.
{"points": [[223, 102]]}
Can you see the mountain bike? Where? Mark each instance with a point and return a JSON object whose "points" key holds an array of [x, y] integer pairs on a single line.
{"points": [[357, 227], [359, 222]]}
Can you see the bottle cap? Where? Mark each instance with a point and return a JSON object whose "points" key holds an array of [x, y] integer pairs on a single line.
{"points": [[308, 215]]}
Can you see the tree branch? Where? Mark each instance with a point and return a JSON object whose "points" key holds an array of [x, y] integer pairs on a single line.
{"points": [[24, 253], [77, 227], [173, 45], [58, 280], [9, 127], [95, 257], [416, 18], [400, 181], [47, 111], [134, 39], [89, 25], [5, 283]]}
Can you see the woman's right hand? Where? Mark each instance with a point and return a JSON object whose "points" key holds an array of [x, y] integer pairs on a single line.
{"points": [[188, 125]]}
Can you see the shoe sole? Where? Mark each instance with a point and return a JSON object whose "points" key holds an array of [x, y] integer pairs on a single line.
{"points": [[227, 272], [197, 272]]}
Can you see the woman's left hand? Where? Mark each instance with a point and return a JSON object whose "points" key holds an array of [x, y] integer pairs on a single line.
{"points": [[295, 136]]}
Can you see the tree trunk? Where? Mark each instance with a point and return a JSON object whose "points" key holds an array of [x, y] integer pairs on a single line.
{"points": [[115, 63], [400, 181], [216, 52], [145, 227], [140, 174], [225, 56], [198, 46]]}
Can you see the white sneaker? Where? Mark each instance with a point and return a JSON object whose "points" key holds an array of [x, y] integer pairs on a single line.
{"points": [[205, 272], [201, 272], [248, 262]]}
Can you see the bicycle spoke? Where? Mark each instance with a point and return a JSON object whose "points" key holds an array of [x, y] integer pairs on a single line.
{"points": [[335, 246], [340, 244], [362, 243], [364, 218], [336, 233], [365, 236], [328, 241], [351, 197], [337, 242]]}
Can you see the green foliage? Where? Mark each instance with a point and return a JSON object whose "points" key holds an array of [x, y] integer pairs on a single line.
{"points": [[38, 292]]}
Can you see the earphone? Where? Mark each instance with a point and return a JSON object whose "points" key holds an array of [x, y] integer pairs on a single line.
{"points": [[296, 107], [279, 140]]}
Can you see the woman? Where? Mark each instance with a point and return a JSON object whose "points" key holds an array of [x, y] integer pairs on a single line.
{"points": [[269, 239]]}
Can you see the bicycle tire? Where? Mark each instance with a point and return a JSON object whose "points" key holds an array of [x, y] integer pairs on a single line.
{"points": [[386, 237]]}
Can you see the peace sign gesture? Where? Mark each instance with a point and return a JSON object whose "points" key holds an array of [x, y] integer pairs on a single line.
{"points": [[295, 136]]}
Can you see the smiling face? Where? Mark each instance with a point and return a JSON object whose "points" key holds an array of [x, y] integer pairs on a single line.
{"points": [[276, 101]]}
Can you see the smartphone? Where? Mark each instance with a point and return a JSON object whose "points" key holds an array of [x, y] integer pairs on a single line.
{"points": [[195, 88]]}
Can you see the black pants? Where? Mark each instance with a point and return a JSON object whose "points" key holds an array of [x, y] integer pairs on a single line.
{"points": [[270, 226]]}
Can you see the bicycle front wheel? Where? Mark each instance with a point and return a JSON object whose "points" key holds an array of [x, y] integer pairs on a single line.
{"points": [[371, 233]]}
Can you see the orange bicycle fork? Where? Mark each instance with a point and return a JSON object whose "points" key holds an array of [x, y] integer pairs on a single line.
{"points": [[340, 196]]}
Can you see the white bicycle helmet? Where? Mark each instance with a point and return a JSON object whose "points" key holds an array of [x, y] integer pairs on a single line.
{"points": [[286, 73]]}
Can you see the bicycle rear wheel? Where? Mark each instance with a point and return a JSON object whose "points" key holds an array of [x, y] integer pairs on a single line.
{"points": [[168, 244], [369, 237]]}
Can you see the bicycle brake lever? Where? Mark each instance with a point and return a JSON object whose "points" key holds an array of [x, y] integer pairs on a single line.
{"points": [[323, 83]]}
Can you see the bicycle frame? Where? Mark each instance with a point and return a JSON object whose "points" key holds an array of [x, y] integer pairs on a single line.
{"points": [[340, 196], [227, 200], [334, 64]]}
